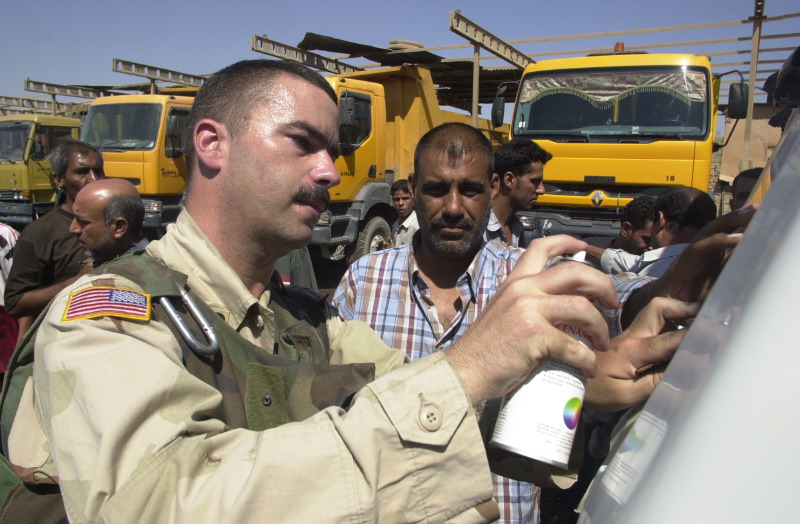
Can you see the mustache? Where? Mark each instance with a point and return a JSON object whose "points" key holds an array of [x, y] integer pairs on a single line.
{"points": [[462, 223], [314, 192]]}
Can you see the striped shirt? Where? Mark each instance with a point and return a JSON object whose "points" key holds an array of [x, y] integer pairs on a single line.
{"points": [[386, 290]]}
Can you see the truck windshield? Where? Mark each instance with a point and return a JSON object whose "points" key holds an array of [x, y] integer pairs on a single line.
{"points": [[14, 140], [122, 127], [597, 104]]}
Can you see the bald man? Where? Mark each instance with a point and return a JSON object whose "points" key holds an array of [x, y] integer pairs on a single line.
{"points": [[108, 219]]}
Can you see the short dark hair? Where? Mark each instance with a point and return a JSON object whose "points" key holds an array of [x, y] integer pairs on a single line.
{"points": [[638, 212], [517, 155], [128, 207], [60, 156], [399, 185], [686, 207], [229, 95], [752, 174], [457, 141]]}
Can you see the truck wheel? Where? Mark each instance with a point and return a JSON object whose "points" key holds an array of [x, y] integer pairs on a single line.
{"points": [[372, 237]]}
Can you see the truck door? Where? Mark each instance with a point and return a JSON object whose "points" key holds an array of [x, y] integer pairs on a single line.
{"points": [[357, 164], [43, 141]]}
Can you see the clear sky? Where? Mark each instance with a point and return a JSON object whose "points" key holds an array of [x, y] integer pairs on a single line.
{"points": [[74, 42]]}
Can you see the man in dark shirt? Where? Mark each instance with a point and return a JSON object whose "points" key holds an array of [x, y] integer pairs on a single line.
{"points": [[47, 257]]}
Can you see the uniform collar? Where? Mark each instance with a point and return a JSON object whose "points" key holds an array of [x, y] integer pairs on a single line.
{"points": [[185, 248]]}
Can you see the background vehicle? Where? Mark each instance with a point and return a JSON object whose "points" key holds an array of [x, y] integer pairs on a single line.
{"points": [[716, 441], [383, 114], [141, 137], [26, 179], [619, 126]]}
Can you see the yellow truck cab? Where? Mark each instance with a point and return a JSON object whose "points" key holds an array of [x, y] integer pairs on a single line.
{"points": [[26, 179], [141, 138], [619, 126], [382, 115]]}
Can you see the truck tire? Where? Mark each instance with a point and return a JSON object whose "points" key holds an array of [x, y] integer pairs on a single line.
{"points": [[372, 237]]}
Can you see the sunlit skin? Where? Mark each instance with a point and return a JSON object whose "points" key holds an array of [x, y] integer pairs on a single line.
{"points": [[102, 241], [526, 188], [286, 157], [83, 168], [403, 203], [452, 202]]}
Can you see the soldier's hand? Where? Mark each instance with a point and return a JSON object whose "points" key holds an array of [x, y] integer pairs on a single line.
{"points": [[517, 329], [630, 370]]}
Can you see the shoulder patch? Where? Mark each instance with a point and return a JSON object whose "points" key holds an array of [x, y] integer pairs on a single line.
{"points": [[104, 301]]}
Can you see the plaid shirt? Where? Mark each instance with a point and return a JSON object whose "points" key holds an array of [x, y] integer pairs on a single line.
{"points": [[386, 290], [625, 284]]}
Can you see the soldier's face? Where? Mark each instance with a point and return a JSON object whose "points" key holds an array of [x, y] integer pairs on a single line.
{"points": [[453, 202], [283, 165]]}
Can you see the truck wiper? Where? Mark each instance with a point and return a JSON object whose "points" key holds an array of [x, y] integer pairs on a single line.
{"points": [[4, 159], [663, 136]]}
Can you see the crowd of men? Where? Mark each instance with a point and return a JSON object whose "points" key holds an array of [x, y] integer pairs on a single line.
{"points": [[189, 381]]}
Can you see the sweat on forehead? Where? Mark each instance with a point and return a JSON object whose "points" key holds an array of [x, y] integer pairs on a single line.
{"points": [[457, 143]]}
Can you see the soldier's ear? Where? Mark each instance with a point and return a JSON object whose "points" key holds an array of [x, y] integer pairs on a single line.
{"points": [[211, 144]]}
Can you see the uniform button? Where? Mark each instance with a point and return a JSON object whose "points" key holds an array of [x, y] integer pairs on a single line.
{"points": [[430, 416], [266, 400], [259, 322]]}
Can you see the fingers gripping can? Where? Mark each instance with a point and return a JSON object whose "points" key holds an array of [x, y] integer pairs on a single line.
{"points": [[538, 420]]}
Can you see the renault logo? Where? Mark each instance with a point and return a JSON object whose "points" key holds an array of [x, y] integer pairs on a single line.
{"points": [[597, 199]]}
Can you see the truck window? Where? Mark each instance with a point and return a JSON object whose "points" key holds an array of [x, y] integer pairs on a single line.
{"points": [[356, 133], [122, 127], [615, 101], [182, 118], [13, 140], [45, 138]]}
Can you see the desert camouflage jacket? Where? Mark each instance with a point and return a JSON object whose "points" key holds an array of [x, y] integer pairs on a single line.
{"points": [[131, 435]]}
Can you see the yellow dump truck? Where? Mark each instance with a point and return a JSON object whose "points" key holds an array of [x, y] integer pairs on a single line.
{"points": [[619, 126], [383, 113], [141, 137], [26, 180]]}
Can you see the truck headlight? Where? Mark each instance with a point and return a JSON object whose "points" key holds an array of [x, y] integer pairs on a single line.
{"points": [[153, 206]]}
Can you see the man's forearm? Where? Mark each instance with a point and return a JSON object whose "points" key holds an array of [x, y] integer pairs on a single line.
{"points": [[32, 302]]}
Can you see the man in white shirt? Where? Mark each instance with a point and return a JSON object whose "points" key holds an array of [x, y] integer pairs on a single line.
{"points": [[678, 215], [519, 165], [406, 224]]}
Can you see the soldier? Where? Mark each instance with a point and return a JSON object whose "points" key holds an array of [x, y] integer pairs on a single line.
{"points": [[160, 383]]}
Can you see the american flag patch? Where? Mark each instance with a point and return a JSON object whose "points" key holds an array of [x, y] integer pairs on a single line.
{"points": [[107, 302]]}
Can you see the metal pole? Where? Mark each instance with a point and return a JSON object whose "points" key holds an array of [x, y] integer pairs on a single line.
{"points": [[476, 73], [758, 17]]}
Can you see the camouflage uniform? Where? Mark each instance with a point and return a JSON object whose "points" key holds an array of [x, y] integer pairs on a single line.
{"points": [[127, 431]]}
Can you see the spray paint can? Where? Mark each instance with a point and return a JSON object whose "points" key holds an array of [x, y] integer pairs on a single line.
{"points": [[538, 420]]}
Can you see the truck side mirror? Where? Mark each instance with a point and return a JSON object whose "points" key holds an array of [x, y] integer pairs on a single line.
{"points": [[173, 147], [737, 100], [347, 106], [498, 111]]}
